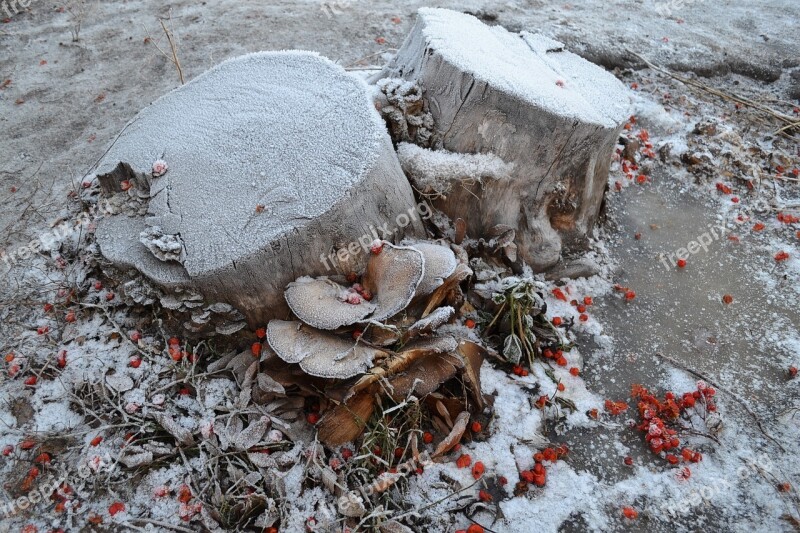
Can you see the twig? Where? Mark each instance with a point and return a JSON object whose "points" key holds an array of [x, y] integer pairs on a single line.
{"points": [[726, 391], [790, 121]]}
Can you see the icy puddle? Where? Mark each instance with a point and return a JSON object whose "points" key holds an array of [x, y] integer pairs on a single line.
{"points": [[745, 346]]}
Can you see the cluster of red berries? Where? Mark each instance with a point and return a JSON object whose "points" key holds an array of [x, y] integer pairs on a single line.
{"points": [[556, 354], [627, 292], [356, 294], [538, 474], [787, 218], [656, 414], [177, 353]]}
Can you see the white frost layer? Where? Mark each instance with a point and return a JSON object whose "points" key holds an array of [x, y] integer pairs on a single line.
{"points": [[290, 131], [532, 67], [437, 169]]}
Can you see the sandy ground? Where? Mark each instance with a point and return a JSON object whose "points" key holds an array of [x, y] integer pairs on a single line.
{"points": [[65, 100]]}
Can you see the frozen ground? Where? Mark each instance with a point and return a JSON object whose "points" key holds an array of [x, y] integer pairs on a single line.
{"points": [[65, 101]]}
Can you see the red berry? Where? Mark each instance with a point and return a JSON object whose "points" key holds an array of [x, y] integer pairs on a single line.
{"points": [[70, 316], [464, 461], [559, 294], [312, 418], [583, 317], [628, 460], [561, 361], [671, 459], [781, 256], [470, 323], [484, 496], [575, 371], [347, 453], [96, 441], [681, 263], [561, 387], [136, 336], [376, 247], [109, 296], [31, 381], [98, 285], [792, 371], [477, 470], [557, 321], [8, 450], [255, 349], [630, 513], [727, 299], [61, 359], [43, 458], [476, 427], [630, 295], [758, 226], [427, 438], [475, 528], [115, 508]]}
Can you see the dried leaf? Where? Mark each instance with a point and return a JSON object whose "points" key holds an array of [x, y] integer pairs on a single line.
{"points": [[411, 353], [424, 376], [461, 273], [252, 435], [181, 434], [345, 422], [267, 384], [473, 355], [455, 435], [351, 505]]}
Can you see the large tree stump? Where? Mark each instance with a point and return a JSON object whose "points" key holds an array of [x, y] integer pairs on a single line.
{"points": [[546, 112], [275, 162]]}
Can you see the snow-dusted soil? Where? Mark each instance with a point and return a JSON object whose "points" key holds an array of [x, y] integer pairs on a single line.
{"points": [[66, 101]]}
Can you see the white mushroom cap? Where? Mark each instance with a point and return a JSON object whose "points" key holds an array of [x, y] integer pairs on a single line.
{"points": [[319, 353], [393, 276], [440, 263], [318, 303]]}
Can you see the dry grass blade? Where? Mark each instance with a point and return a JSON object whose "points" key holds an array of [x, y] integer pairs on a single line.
{"points": [[789, 121], [345, 422], [455, 435]]}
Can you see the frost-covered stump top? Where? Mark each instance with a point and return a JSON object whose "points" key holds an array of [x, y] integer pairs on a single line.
{"points": [[548, 114], [260, 150], [520, 65]]}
